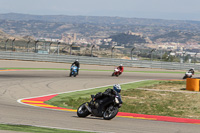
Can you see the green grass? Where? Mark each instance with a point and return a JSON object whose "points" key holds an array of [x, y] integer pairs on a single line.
{"points": [[33, 129], [165, 103], [72, 100]]}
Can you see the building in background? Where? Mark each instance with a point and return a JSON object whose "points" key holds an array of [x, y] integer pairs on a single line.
{"points": [[69, 38]]}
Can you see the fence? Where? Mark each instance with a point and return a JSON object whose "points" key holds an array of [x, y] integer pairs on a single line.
{"points": [[96, 61]]}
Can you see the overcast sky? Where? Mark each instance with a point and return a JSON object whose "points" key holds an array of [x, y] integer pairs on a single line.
{"points": [[162, 9]]}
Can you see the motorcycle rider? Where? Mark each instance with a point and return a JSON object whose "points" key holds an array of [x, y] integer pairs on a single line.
{"points": [[108, 96], [191, 71], [120, 68], [77, 64]]}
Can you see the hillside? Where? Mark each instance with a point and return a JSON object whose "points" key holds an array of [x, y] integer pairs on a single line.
{"points": [[126, 38], [4, 36], [53, 26], [96, 20], [177, 36]]}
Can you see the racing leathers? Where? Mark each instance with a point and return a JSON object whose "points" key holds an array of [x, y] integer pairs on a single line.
{"points": [[191, 71], [107, 97], [77, 64], [121, 69]]}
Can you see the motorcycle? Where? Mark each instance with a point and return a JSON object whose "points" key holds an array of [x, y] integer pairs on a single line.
{"points": [[107, 110], [188, 75], [116, 72], [73, 71]]}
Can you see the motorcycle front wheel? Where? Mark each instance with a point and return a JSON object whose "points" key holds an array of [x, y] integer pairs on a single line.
{"points": [[113, 74], [70, 74], [184, 77], [75, 74], [82, 111], [110, 112]]}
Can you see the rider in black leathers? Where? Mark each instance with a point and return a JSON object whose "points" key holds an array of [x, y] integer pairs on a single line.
{"points": [[77, 64], [108, 96], [191, 71]]}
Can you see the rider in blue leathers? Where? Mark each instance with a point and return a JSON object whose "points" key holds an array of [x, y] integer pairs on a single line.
{"points": [[77, 64]]}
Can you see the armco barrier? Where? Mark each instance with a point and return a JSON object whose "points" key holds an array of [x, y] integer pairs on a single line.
{"points": [[96, 61]]}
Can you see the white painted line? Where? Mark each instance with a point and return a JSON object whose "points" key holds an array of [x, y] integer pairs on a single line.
{"points": [[73, 129]]}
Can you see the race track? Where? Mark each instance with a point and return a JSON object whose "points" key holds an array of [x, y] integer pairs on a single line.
{"points": [[23, 84]]}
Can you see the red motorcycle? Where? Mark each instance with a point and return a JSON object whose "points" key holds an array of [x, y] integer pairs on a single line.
{"points": [[116, 72]]}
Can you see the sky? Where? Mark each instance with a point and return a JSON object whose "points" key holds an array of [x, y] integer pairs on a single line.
{"points": [[156, 9]]}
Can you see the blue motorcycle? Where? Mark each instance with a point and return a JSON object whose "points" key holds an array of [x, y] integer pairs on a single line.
{"points": [[73, 71]]}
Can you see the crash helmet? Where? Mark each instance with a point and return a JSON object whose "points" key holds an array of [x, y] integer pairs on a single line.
{"points": [[121, 65], [117, 88], [76, 60], [191, 70]]}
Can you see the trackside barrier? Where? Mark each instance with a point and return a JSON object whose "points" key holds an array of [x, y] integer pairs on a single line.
{"points": [[96, 61], [192, 84]]}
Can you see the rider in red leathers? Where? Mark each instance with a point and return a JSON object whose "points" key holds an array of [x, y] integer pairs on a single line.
{"points": [[120, 68]]}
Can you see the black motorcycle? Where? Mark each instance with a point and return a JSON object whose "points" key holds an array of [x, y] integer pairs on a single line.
{"points": [[106, 108]]}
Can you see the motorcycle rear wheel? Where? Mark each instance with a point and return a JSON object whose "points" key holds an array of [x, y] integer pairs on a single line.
{"points": [[110, 112], [82, 111]]}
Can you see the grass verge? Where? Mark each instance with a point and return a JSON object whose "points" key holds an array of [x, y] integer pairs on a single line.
{"points": [[72, 100], [175, 103], [33, 129]]}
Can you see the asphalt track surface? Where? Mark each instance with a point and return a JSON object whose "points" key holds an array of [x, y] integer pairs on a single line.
{"points": [[16, 85]]}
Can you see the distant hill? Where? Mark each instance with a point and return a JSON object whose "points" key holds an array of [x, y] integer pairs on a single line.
{"points": [[130, 39], [94, 19], [177, 36], [4, 36], [53, 26]]}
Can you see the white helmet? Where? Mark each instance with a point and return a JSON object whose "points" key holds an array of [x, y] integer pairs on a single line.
{"points": [[117, 88], [120, 65]]}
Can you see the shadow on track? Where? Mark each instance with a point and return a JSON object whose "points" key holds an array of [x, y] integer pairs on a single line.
{"points": [[90, 117]]}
